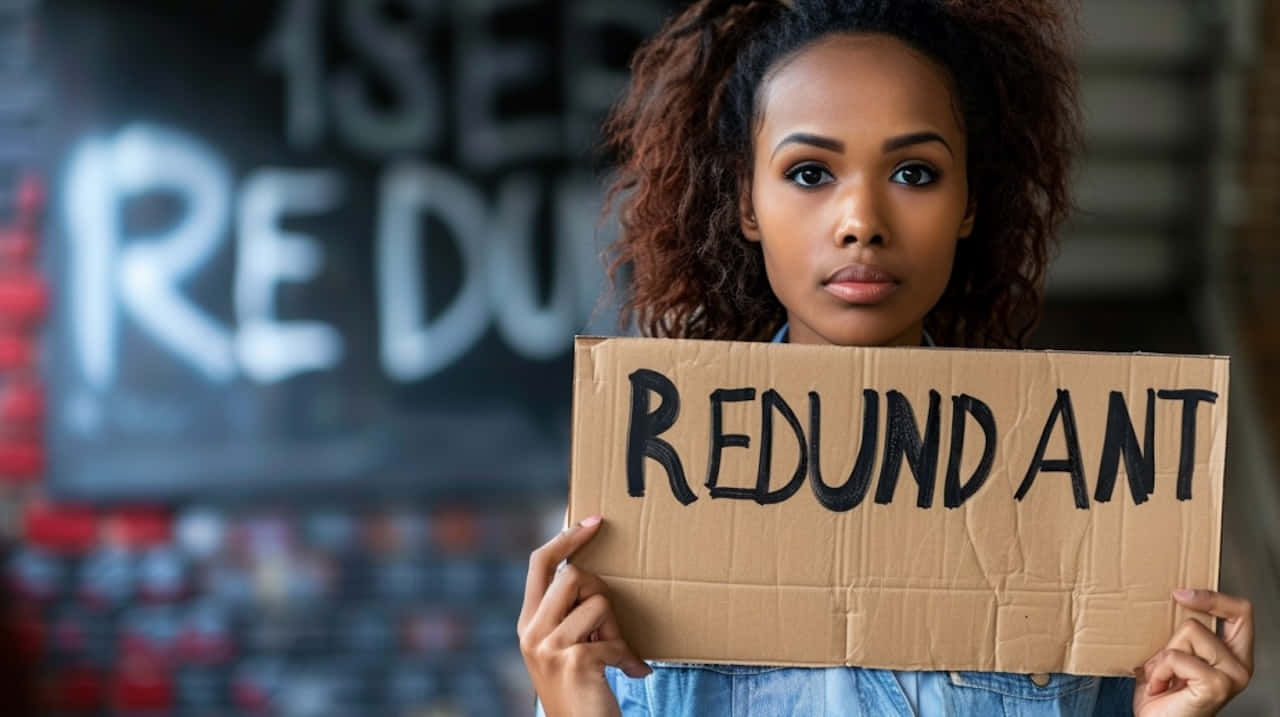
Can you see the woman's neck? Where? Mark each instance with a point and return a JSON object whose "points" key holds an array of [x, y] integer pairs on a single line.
{"points": [[799, 333]]}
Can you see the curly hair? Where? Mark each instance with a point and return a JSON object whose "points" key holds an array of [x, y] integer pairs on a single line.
{"points": [[682, 135]]}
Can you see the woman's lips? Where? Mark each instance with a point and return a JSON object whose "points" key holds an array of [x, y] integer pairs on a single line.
{"points": [[860, 284]]}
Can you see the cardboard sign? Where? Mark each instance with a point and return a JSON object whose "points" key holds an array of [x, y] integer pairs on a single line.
{"points": [[897, 507]]}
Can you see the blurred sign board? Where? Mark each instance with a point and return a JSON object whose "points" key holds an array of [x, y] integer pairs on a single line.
{"points": [[323, 247]]}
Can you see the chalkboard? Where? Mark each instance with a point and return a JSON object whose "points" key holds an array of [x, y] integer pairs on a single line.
{"points": [[323, 249]]}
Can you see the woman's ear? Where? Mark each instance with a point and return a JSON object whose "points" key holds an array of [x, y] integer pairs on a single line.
{"points": [[747, 214], [970, 215]]}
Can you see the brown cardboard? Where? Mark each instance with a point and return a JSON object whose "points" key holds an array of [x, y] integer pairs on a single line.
{"points": [[997, 583]]}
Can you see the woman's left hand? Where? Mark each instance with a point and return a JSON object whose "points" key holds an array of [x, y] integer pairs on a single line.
{"points": [[1198, 672]]}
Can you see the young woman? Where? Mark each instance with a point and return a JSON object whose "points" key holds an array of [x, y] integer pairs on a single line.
{"points": [[851, 172]]}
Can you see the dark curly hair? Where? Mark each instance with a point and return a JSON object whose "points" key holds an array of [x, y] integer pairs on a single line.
{"points": [[681, 137]]}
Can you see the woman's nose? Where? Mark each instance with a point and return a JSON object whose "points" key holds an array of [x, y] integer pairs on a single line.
{"points": [[860, 221]]}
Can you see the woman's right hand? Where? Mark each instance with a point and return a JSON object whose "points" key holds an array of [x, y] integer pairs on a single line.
{"points": [[568, 633]]}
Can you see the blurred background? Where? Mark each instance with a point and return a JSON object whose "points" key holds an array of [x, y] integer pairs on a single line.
{"points": [[287, 289]]}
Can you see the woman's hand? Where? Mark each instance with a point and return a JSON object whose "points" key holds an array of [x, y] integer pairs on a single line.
{"points": [[568, 633], [1197, 672]]}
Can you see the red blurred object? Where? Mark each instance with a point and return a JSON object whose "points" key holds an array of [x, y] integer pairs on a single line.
{"points": [[62, 529], [21, 645], [143, 685], [255, 687], [17, 351], [251, 699], [148, 633], [30, 636], [455, 531], [18, 246], [21, 459], [30, 197], [77, 690], [134, 527], [134, 644], [22, 402], [24, 297], [68, 636], [204, 647]]}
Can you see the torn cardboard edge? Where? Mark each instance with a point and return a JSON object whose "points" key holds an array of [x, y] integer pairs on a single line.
{"points": [[784, 542]]}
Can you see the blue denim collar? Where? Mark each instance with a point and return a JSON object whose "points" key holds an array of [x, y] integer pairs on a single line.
{"points": [[781, 337]]}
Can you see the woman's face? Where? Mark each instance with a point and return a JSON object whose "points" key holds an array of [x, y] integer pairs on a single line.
{"points": [[858, 191]]}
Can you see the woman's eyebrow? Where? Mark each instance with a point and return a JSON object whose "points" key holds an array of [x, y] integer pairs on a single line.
{"points": [[815, 140], [835, 145], [907, 140]]}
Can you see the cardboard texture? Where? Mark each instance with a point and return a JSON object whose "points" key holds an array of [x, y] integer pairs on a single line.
{"points": [[1002, 573]]}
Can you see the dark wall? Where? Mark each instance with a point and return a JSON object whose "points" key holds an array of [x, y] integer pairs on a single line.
{"points": [[323, 244]]}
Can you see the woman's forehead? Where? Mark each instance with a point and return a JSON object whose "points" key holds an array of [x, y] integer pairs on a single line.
{"points": [[858, 84]]}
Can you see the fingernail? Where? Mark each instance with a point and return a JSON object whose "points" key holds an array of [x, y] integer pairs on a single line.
{"points": [[1184, 593], [590, 521]]}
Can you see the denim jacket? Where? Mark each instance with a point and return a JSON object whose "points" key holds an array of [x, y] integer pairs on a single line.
{"points": [[676, 690], [695, 690], [680, 689]]}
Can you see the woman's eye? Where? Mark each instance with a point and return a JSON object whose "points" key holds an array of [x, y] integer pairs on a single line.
{"points": [[914, 175], [810, 175]]}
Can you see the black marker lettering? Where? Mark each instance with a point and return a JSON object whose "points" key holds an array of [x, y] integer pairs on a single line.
{"points": [[643, 431], [954, 494], [850, 494], [1187, 452], [1139, 463], [1072, 464], [903, 439], [721, 440], [771, 401]]}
